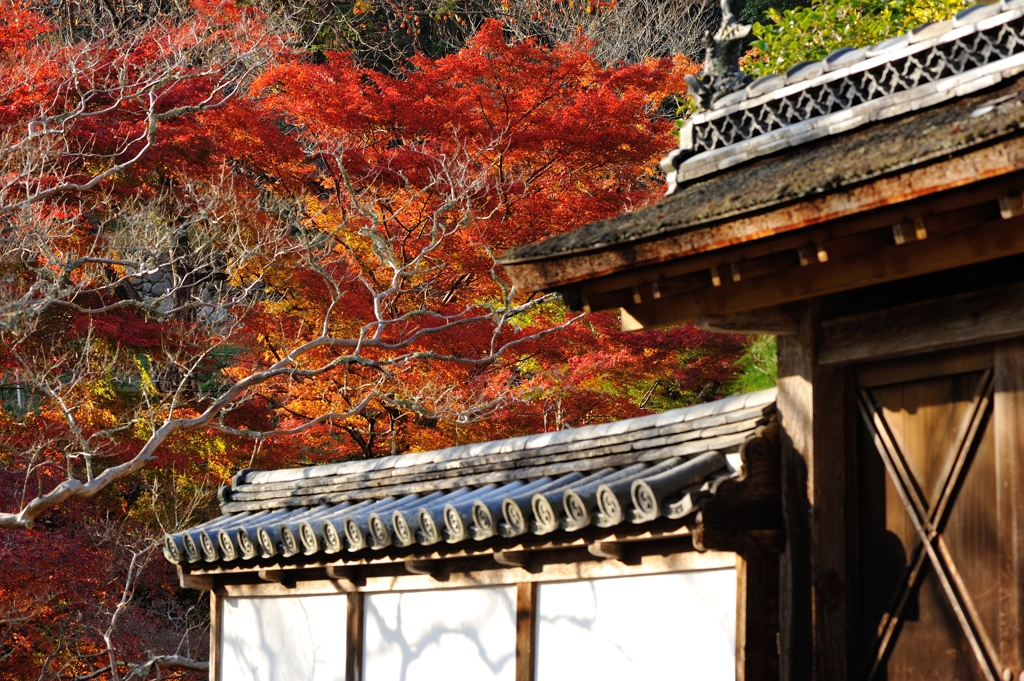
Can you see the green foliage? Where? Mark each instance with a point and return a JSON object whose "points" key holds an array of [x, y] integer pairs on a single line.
{"points": [[758, 367], [812, 33], [754, 11]]}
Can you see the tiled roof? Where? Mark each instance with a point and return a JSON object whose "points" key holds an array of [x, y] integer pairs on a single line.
{"points": [[630, 471], [929, 65], [826, 126], [826, 166]]}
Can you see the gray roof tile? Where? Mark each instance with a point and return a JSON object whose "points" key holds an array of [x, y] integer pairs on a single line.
{"points": [[804, 71], [889, 45], [861, 77], [976, 13], [468, 492], [868, 152]]}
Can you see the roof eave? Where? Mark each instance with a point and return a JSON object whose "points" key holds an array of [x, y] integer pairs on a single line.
{"points": [[704, 246]]}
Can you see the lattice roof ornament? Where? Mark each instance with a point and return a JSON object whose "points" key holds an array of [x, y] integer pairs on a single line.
{"points": [[982, 46], [722, 51]]}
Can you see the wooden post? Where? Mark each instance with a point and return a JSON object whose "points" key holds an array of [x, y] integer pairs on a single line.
{"points": [[757, 608], [1008, 413], [355, 626], [813, 608], [526, 630], [216, 627]]}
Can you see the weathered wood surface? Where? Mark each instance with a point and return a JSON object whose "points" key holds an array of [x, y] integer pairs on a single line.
{"points": [[814, 584], [780, 320], [757, 615], [951, 322], [875, 259], [966, 170], [906, 369], [216, 634], [584, 565], [937, 450], [356, 625], [1008, 413], [526, 631]]}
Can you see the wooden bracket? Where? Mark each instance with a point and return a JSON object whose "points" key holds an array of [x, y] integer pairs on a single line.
{"points": [[349, 576], [433, 568], [779, 320], [820, 251], [284, 577], [628, 322], [198, 582], [519, 559], [1011, 206], [909, 230], [613, 550], [738, 541]]}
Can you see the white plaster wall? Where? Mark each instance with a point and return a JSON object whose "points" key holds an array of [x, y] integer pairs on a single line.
{"points": [[678, 626], [443, 635], [286, 638]]}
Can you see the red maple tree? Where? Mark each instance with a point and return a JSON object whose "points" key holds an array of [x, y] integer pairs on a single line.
{"points": [[221, 251]]}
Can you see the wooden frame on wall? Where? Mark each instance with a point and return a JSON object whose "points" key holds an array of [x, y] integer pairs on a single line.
{"points": [[525, 581]]}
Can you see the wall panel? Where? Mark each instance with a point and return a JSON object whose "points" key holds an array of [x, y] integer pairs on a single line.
{"points": [[445, 635], [293, 638], [678, 626]]}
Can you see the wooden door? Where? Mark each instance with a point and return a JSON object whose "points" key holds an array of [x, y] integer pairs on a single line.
{"points": [[940, 540]]}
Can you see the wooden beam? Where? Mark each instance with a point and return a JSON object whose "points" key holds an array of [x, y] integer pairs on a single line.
{"points": [[286, 577], [545, 572], [355, 626], [526, 631], [739, 541], [907, 369], [779, 320], [620, 551], [200, 582], [988, 241], [433, 568], [939, 324], [350, 578], [814, 583], [519, 559]]}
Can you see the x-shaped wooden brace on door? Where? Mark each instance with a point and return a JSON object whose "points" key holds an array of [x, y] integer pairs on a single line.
{"points": [[929, 521]]}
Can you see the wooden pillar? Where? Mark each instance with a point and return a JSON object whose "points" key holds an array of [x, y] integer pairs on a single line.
{"points": [[814, 584], [757, 604], [355, 626], [1008, 413], [216, 627], [526, 630]]}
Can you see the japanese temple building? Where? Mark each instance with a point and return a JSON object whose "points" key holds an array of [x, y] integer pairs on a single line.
{"points": [[864, 520]]}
